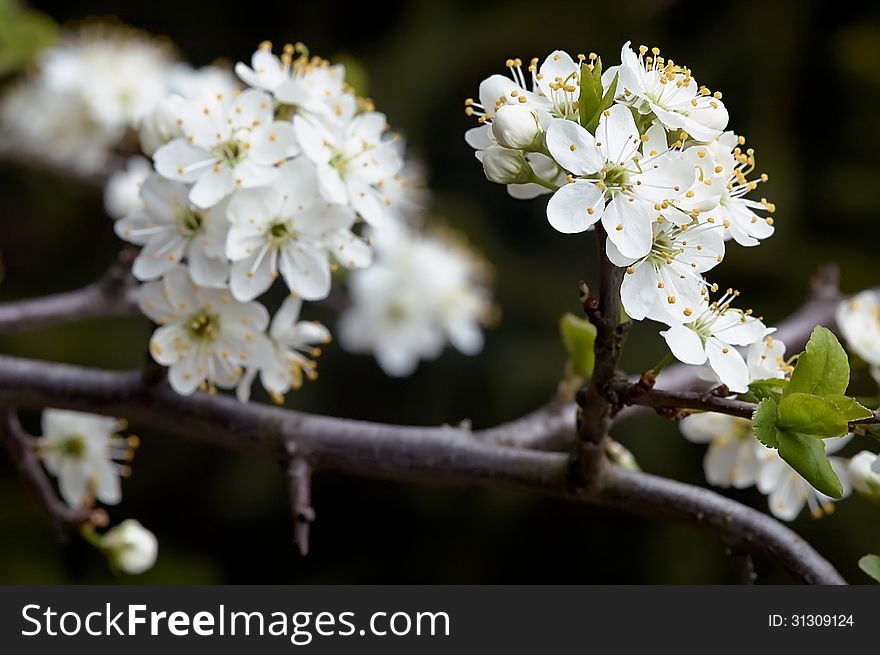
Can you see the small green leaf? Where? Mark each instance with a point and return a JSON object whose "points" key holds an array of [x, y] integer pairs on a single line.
{"points": [[806, 455], [769, 388], [823, 369], [578, 337], [849, 408], [812, 415], [591, 92], [607, 101], [870, 564], [764, 423]]}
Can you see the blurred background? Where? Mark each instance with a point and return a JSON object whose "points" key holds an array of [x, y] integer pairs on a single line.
{"points": [[801, 82]]}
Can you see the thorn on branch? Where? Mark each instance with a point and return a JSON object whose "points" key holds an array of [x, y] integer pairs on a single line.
{"points": [[299, 473]]}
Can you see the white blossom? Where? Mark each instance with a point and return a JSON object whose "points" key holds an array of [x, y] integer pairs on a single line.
{"points": [[206, 337], [712, 336], [735, 457], [80, 449], [172, 230], [353, 158], [859, 321], [659, 86], [615, 167], [766, 359], [287, 228], [122, 192], [419, 293], [130, 547], [226, 146], [788, 492], [864, 473], [295, 344]]}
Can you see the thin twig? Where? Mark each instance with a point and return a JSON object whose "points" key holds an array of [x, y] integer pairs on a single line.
{"points": [[418, 454], [299, 473], [113, 295], [21, 448]]}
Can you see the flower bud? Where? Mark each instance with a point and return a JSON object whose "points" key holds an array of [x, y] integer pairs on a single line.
{"points": [[864, 471], [517, 127], [130, 547], [506, 166]]}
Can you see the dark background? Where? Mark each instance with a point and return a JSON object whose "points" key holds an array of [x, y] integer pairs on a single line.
{"points": [[801, 82]]}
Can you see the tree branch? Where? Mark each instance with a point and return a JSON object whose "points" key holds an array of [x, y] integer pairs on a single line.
{"points": [[21, 449], [441, 455], [113, 295], [300, 474]]}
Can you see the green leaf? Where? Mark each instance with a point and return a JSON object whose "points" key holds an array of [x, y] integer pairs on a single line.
{"points": [[812, 415], [607, 101], [823, 369], [578, 337], [764, 423], [23, 33], [849, 408], [591, 91], [806, 455], [769, 388], [870, 564]]}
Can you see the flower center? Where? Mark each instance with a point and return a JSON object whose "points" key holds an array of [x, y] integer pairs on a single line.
{"points": [[73, 446], [616, 177], [664, 250], [191, 223], [203, 327], [231, 153], [280, 233]]}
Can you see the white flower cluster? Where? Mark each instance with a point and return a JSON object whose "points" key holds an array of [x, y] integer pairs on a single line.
{"points": [[656, 168], [280, 180], [89, 91], [421, 292], [85, 453]]}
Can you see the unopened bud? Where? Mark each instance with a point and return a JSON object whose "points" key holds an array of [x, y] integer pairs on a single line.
{"points": [[506, 166], [130, 547], [517, 127]]}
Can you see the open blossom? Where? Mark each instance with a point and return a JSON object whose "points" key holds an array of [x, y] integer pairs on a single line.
{"points": [[667, 283], [737, 213], [206, 337], [766, 359], [735, 457], [295, 344], [864, 473], [353, 158], [226, 146], [309, 85], [80, 449], [659, 86], [287, 228], [712, 336], [614, 167], [419, 293], [130, 547], [859, 321], [788, 492], [122, 193], [171, 230]]}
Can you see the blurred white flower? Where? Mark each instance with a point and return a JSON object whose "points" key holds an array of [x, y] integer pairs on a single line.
{"points": [[859, 321], [788, 492], [130, 547], [206, 337], [420, 292], [735, 457], [766, 359], [118, 72], [864, 472], [122, 192], [80, 449]]}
